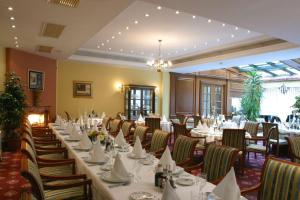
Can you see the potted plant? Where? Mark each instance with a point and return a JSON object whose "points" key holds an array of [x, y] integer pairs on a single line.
{"points": [[252, 95], [12, 112]]}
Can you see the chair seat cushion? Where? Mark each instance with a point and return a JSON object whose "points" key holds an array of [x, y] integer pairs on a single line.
{"points": [[55, 156], [74, 193], [281, 141], [63, 170], [256, 147]]}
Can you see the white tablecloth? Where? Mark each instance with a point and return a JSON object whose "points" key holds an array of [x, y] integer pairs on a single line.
{"points": [[165, 126], [100, 189]]}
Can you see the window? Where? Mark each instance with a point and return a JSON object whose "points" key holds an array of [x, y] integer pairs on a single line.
{"points": [[212, 100]]}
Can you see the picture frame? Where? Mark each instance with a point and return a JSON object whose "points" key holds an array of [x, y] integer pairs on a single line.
{"points": [[82, 89], [36, 80]]}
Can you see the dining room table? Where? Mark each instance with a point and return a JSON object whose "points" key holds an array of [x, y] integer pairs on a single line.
{"points": [[143, 175]]}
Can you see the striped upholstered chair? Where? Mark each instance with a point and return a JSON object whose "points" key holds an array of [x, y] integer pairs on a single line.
{"points": [[115, 126], [294, 148], [140, 131], [105, 122], [280, 180], [62, 187], [159, 142], [183, 150], [235, 138], [126, 128], [275, 140], [217, 161], [153, 123], [49, 166], [251, 128]]}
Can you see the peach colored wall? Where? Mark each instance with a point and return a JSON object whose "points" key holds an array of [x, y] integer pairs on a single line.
{"points": [[20, 62]]}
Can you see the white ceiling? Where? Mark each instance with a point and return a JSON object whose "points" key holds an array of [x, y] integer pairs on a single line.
{"points": [[182, 34]]}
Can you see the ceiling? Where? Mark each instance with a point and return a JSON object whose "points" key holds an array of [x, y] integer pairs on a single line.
{"points": [[187, 28]]}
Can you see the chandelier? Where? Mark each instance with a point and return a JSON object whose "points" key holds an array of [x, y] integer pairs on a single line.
{"points": [[159, 64]]}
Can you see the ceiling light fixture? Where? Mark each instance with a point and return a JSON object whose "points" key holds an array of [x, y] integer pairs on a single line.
{"points": [[112, 37], [136, 22], [177, 12], [102, 44], [13, 26], [107, 41], [159, 64], [16, 42], [127, 27], [98, 46], [12, 18], [194, 17], [248, 31], [209, 20], [109, 48], [17, 46], [147, 15], [15, 37], [120, 33], [236, 28], [223, 25], [159, 7], [121, 50], [232, 36], [10, 8]]}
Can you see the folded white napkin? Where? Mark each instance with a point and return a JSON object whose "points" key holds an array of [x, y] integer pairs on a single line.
{"points": [[120, 140], [88, 123], [57, 120], [81, 123], [169, 193], [141, 119], [166, 160], [119, 171], [69, 127], [74, 134], [85, 141], [228, 189], [205, 128], [97, 154], [138, 150], [200, 126], [164, 119]]}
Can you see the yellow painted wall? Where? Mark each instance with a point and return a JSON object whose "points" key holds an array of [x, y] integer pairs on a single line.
{"points": [[105, 95], [166, 94], [2, 67]]}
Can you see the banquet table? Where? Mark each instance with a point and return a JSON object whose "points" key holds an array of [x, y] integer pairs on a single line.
{"points": [[145, 182]]}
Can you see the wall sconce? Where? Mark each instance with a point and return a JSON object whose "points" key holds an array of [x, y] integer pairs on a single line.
{"points": [[119, 87]]}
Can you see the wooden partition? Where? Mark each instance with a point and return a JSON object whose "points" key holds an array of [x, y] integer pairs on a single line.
{"points": [[187, 91]]}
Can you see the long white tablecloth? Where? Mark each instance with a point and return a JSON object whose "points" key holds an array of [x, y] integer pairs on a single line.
{"points": [[100, 189]]}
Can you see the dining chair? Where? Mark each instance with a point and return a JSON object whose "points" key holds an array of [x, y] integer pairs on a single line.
{"points": [[56, 187], [263, 148], [140, 131], [114, 126], [126, 128], [279, 180], [197, 119], [294, 148], [105, 122], [159, 142], [251, 128], [183, 150], [48, 166], [235, 138], [153, 123]]}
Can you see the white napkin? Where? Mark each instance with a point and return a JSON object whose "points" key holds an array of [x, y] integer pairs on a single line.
{"points": [[169, 193], [120, 140], [119, 171], [57, 120], [166, 159], [81, 123], [228, 189], [97, 154], [88, 123], [164, 119], [138, 150], [85, 141], [74, 135], [102, 115], [141, 119], [69, 128], [199, 126]]}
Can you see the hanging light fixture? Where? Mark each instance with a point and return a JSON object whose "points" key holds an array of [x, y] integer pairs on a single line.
{"points": [[283, 89], [159, 64]]}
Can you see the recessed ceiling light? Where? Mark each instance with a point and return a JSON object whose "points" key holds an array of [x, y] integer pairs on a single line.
{"points": [[98, 47], [136, 22], [236, 28], [10, 8], [218, 40], [159, 7], [232, 36], [248, 31], [120, 33], [17, 46], [177, 12], [109, 48], [16, 42], [13, 26], [113, 37], [194, 17], [127, 27], [209, 20], [102, 44], [147, 15], [223, 25], [15, 37], [107, 41], [121, 50], [12, 18]]}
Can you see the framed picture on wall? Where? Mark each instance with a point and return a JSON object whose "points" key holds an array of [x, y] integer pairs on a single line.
{"points": [[82, 89], [35, 80]]}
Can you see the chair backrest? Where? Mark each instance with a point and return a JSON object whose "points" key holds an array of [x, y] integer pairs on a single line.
{"points": [[184, 148], [28, 151], [30, 171], [280, 180], [179, 129], [234, 138], [140, 131], [181, 118], [26, 137], [294, 148], [159, 140], [126, 127], [218, 160], [267, 126], [153, 123], [69, 118], [115, 125], [105, 122], [251, 127]]}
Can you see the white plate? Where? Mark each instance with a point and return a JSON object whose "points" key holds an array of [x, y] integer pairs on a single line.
{"points": [[133, 156], [88, 160], [141, 196], [146, 161], [185, 181], [177, 170], [106, 176], [106, 167], [72, 140]]}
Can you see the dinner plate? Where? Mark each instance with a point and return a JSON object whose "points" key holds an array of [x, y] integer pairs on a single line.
{"points": [[147, 161], [141, 196], [72, 140], [177, 170], [106, 167], [88, 160], [185, 181], [133, 156], [106, 176]]}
